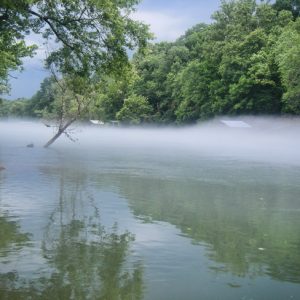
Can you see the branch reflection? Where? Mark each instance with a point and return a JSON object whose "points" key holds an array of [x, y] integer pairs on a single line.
{"points": [[85, 260]]}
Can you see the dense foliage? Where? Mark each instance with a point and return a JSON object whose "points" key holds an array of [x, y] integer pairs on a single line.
{"points": [[91, 38], [90, 35], [246, 61]]}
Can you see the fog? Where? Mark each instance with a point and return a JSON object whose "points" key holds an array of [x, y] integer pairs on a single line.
{"points": [[275, 140]]}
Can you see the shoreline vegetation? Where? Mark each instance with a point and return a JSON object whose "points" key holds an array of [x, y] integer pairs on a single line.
{"points": [[246, 62]]}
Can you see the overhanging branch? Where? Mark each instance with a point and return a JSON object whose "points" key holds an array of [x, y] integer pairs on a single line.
{"points": [[47, 20]]}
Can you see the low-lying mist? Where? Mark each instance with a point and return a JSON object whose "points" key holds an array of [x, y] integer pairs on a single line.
{"points": [[275, 140]]}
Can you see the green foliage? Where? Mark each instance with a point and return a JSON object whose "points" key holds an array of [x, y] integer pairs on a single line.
{"points": [[288, 5], [40, 104], [12, 45], [70, 99], [4, 108], [157, 70], [112, 93], [227, 67], [135, 110], [91, 35], [15, 108], [245, 62], [288, 59], [43, 100], [191, 86]]}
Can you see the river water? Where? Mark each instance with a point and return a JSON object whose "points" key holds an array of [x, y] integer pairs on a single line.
{"points": [[205, 212]]}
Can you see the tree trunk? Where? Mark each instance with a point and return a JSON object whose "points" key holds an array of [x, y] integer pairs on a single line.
{"points": [[59, 133]]}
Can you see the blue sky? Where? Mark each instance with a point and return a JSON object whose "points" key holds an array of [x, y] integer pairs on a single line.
{"points": [[168, 19]]}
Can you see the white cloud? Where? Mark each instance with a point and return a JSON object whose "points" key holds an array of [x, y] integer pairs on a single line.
{"points": [[166, 27], [37, 61], [44, 48]]}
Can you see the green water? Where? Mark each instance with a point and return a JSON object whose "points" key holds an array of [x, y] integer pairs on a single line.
{"points": [[130, 224]]}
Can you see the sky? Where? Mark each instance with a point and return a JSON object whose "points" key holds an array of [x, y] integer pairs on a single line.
{"points": [[168, 20]]}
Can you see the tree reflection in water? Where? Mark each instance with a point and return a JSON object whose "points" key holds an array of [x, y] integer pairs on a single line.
{"points": [[249, 228], [10, 235], [85, 259]]}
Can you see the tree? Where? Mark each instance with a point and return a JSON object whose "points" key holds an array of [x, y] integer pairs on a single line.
{"points": [[12, 44], [112, 93], [236, 65], [4, 108], [72, 98], [157, 70], [92, 36], [43, 99], [233, 70], [287, 54], [15, 108], [289, 5], [192, 89], [135, 110]]}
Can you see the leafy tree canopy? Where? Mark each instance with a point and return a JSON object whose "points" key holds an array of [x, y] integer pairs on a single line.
{"points": [[90, 35], [289, 5], [245, 62], [135, 110], [287, 56]]}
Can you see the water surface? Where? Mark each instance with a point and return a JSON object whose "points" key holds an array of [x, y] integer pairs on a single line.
{"points": [[197, 213]]}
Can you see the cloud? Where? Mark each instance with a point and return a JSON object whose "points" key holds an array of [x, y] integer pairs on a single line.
{"points": [[165, 26], [37, 61], [44, 47], [169, 19]]}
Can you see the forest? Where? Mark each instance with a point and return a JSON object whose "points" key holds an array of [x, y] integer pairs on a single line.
{"points": [[246, 62]]}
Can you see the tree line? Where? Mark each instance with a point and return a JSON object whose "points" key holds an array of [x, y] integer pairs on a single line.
{"points": [[247, 61]]}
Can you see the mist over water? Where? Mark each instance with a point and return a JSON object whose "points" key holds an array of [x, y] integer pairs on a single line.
{"points": [[168, 213], [275, 140]]}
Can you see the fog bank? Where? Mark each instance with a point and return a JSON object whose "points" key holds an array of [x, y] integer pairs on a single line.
{"points": [[275, 140]]}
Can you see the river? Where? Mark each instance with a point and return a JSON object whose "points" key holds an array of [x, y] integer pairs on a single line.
{"points": [[204, 212]]}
